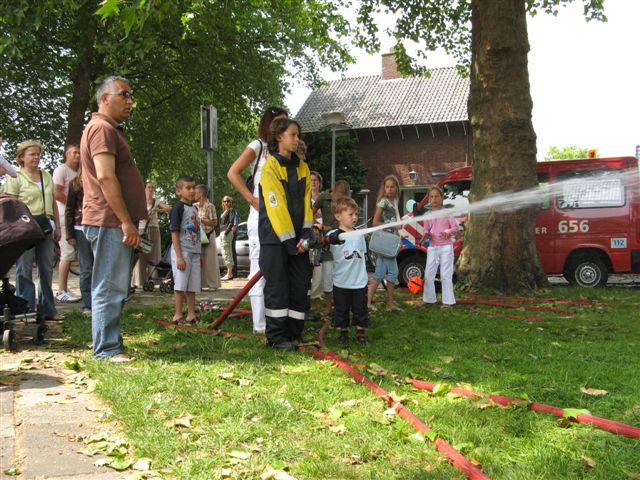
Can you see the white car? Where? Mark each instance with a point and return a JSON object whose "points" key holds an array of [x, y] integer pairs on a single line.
{"points": [[242, 249]]}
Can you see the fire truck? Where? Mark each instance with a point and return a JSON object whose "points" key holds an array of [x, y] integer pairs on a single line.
{"points": [[587, 228]]}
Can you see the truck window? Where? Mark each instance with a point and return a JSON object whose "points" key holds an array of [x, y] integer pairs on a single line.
{"points": [[590, 189], [456, 194]]}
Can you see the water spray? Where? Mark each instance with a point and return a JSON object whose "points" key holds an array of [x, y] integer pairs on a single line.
{"points": [[508, 201]]}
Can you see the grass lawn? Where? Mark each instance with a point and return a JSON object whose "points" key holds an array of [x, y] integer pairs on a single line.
{"points": [[203, 407]]}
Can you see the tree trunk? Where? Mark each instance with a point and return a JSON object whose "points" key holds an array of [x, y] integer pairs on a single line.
{"points": [[84, 71], [500, 252]]}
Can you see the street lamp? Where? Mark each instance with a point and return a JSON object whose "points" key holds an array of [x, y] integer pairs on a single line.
{"points": [[335, 121]]}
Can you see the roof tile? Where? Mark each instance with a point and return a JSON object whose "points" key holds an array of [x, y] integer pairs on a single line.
{"points": [[370, 102]]}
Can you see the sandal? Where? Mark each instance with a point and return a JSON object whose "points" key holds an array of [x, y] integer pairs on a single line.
{"points": [[120, 358], [178, 321], [193, 320], [393, 308], [372, 308]]}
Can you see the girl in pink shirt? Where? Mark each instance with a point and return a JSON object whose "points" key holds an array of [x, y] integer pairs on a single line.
{"points": [[440, 232]]}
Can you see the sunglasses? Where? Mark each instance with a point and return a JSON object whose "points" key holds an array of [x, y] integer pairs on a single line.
{"points": [[126, 94]]}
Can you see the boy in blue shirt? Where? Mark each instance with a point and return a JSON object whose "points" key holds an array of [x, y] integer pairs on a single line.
{"points": [[349, 274], [185, 250]]}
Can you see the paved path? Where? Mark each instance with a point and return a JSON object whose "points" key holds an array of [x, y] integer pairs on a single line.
{"points": [[46, 412]]}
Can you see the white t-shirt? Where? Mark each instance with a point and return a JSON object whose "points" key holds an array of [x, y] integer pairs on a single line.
{"points": [[349, 265], [62, 175], [255, 146]]}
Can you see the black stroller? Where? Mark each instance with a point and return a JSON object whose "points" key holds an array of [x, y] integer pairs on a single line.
{"points": [[162, 272], [18, 233]]}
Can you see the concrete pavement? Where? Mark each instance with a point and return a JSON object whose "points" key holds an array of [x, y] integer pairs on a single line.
{"points": [[47, 410]]}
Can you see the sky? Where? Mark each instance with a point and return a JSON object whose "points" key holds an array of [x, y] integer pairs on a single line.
{"points": [[585, 78]]}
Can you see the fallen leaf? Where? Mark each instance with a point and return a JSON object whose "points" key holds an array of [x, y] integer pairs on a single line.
{"points": [[183, 420], [572, 413], [9, 380], [377, 370], [338, 429], [441, 389], [417, 438], [142, 464], [239, 455], [589, 462], [593, 391], [350, 403], [226, 375], [244, 382], [396, 398], [271, 473], [446, 359], [293, 371]]}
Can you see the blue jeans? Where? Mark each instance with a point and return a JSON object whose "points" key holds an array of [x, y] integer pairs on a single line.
{"points": [[110, 279], [85, 260], [43, 256]]}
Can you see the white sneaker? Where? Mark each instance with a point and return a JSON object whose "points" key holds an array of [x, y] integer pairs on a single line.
{"points": [[66, 297]]}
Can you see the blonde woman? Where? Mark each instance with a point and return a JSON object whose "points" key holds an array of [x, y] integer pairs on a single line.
{"points": [[228, 226], [208, 219], [35, 188]]}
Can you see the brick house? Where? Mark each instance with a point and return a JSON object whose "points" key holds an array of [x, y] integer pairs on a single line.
{"points": [[401, 124]]}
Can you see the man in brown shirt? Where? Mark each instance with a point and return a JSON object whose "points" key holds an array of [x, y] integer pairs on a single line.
{"points": [[114, 202]]}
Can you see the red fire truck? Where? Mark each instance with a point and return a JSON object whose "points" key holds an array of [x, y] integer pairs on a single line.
{"points": [[586, 229]]}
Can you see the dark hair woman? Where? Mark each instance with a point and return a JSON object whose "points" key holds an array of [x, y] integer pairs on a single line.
{"points": [[285, 220]]}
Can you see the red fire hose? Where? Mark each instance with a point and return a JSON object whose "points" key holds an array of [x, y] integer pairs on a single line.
{"points": [[234, 303], [458, 460], [602, 423]]}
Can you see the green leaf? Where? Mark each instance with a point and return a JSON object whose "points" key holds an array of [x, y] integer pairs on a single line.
{"points": [[441, 389], [108, 8], [572, 413]]}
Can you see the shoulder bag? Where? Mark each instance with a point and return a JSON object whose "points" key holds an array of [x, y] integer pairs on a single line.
{"points": [[42, 220], [385, 244], [249, 181]]}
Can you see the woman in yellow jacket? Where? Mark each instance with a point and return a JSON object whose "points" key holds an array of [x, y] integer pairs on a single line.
{"points": [[285, 220]]}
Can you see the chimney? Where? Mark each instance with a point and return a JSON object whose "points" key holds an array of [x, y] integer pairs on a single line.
{"points": [[389, 67]]}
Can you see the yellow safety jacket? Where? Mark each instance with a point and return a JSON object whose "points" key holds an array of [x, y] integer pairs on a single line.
{"points": [[285, 214]]}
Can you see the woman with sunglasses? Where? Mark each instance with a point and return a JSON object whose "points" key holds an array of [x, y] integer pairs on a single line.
{"points": [[228, 226], [253, 157]]}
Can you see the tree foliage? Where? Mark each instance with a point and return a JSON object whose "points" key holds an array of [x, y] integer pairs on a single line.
{"points": [[348, 165], [178, 55], [571, 151]]}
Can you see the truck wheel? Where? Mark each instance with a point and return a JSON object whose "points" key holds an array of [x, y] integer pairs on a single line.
{"points": [[588, 272], [412, 266]]}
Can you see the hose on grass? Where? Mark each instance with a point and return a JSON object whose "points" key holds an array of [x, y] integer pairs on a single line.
{"points": [[599, 422], [456, 458]]}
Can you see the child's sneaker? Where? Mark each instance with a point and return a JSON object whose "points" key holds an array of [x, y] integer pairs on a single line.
{"points": [[344, 338], [362, 339]]}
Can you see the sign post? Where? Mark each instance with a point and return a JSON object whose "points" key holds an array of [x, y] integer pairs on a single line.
{"points": [[209, 139]]}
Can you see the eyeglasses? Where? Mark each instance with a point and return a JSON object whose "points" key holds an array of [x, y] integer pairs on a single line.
{"points": [[127, 95]]}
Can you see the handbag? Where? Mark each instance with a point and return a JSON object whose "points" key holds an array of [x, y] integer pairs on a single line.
{"points": [[385, 244], [204, 239], [42, 220], [249, 181]]}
